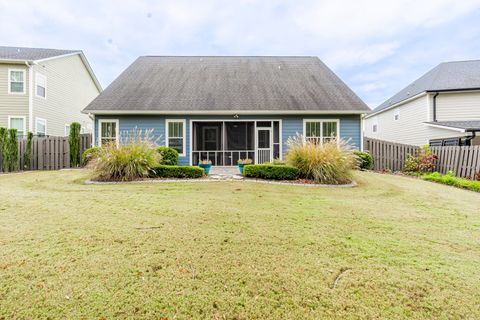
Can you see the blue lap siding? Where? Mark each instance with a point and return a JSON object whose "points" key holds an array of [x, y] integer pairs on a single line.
{"points": [[350, 128]]}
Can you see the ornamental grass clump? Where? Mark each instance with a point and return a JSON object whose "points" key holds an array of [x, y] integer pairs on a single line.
{"points": [[134, 158], [330, 163]]}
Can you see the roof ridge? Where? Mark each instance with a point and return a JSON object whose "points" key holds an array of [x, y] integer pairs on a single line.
{"points": [[223, 56], [36, 48]]}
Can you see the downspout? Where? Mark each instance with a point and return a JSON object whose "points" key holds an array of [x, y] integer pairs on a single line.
{"points": [[469, 139], [30, 96], [435, 107]]}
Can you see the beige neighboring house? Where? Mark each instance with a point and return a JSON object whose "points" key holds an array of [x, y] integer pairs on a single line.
{"points": [[44, 90], [441, 108]]}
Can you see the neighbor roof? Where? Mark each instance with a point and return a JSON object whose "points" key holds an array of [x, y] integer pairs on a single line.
{"points": [[473, 125], [31, 54], [447, 76], [154, 84]]}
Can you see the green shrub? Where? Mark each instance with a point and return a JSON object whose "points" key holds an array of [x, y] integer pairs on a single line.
{"points": [[10, 151], [451, 180], [169, 156], [270, 171], [331, 163], [3, 139], [277, 162], [422, 162], [74, 142], [365, 160], [189, 172], [28, 151], [89, 154], [125, 162]]}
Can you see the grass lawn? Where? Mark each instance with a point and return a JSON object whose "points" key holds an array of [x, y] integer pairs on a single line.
{"points": [[235, 250]]}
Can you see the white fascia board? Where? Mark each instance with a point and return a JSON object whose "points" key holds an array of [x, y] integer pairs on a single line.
{"points": [[223, 112], [445, 127]]}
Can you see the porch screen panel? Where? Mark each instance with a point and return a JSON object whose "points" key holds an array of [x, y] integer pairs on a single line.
{"points": [[239, 135], [276, 140]]}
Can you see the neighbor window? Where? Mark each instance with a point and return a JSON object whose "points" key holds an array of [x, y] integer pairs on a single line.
{"points": [[321, 131], [375, 125], [40, 85], [396, 114], [67, 129], [17, 123], [108, 131], [41, 127], [16, 81], [176, 135]]}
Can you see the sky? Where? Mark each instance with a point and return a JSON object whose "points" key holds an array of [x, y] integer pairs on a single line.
{"points": [[376, 46]]}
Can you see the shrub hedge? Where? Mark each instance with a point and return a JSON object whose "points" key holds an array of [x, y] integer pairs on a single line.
{"points": [[169, 156], [451, 180], [270, 171], [74, 142], [365, 160], [164, 171]]}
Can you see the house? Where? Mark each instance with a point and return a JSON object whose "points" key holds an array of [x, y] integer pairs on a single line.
{"points": [[228, 108], [44, 90], [441, 108]]}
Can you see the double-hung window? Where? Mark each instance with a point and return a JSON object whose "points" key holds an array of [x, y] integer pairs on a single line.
{"points": [[108, 131], [40, 85], [41, 127], [17, 122], [16, 81], [176, 135], [321, 131]]}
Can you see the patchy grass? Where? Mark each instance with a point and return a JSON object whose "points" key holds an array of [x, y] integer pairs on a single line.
{"points": [[394, 247]]}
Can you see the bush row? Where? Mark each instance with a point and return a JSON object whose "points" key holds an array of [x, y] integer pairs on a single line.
{"points": [[166, 171], [451, 180], [270, 171]]}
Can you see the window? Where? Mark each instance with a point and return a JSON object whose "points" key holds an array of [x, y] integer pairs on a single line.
{"points": [[17, 122], [40, 85], [108, 131], [40, 127], [375, 125], [321, 131], [176, 135], [67, 129], [16, 81], [396, 114]]}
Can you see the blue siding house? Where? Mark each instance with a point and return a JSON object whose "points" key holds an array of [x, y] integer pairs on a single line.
{"points": [[228, 108]]}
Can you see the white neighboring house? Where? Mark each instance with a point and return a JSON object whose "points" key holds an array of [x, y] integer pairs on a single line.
{"points": [[441, 108], [44, 90]]}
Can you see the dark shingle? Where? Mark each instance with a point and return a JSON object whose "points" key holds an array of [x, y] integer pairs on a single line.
{"points": [[227, 83], [468, 125], [453, 75], [31, 54]]}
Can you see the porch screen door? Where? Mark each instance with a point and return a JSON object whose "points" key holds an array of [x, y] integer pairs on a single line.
{"points": [[263, 145]]}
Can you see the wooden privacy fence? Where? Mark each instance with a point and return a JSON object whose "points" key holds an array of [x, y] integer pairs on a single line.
{"points": [[464, 161], [48, 153]]}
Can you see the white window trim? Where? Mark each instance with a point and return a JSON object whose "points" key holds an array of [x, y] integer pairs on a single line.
{"points": [[117, 130], [67, 133], [24, 123], [36, 125], [24, 81], [167, 121], [321, 129], [39, 75]]}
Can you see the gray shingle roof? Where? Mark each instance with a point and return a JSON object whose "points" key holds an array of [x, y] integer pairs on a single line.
{"points": [[31, 54], [468, 125], [192, 84], [446, 76]]}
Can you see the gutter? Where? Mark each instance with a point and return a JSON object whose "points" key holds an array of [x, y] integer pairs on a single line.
{"points": [[435, 107], [225, 112]]}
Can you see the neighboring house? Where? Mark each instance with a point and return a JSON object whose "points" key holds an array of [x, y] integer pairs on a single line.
{"points": [[442, 107], [226, 108], [44, 90]]}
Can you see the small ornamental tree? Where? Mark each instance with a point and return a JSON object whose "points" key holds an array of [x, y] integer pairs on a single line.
{"points": [[74, 142], [3, 139], [28, 151], [10, 154]]}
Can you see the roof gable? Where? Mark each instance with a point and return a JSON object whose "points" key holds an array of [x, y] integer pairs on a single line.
{"points": [[456, 75], [31, 54], [187, 84]]}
